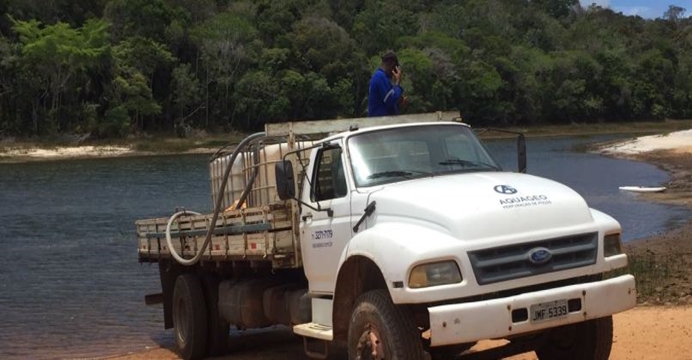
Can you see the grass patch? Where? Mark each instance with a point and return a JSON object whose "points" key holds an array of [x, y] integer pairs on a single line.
{"points": [[180, 145], [661, 278]]}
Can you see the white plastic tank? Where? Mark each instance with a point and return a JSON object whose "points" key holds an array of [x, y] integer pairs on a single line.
{"points": [[236, 180], [263, 188]]}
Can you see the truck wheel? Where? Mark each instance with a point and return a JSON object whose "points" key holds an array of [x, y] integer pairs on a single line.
{"points": [[381, 330], [189, 317], [591, 339]]}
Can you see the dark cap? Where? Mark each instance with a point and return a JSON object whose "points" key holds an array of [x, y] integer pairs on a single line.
{"points": [[390, 57]]}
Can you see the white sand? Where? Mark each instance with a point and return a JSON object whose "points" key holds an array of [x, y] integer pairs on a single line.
{"points": [[67, 152], [680, 141]]}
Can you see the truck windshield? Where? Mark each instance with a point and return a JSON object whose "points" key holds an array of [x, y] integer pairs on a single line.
{"points": [[396, 154]]}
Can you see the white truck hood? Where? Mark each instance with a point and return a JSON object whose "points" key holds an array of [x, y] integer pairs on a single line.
{"points": [[475, 206]]}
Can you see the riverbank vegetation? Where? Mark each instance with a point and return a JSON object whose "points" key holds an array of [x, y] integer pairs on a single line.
{"points": [[202, 141], [110, 68]]}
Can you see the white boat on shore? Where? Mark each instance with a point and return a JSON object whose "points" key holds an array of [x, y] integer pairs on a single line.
{"points": [[646, 189]]}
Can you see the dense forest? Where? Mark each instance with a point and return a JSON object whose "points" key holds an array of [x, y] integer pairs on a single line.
{"points": [[110, 68]]}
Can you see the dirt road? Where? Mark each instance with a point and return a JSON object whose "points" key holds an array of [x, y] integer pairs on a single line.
{"points": [[644, 333]]}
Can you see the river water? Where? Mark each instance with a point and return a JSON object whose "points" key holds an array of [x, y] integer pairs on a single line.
{"points": [[70, 283]]}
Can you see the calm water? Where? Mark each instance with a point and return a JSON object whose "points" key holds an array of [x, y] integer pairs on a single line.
{"points": [[70, 283]]}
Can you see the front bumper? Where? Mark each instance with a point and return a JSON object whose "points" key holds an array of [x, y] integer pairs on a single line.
{"points": [[492, 319]]}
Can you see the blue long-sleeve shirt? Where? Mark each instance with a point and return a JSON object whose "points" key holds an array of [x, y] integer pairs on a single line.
{"points": [[383, 96]]}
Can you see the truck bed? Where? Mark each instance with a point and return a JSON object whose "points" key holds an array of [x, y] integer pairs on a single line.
{"points": [[260, 234]]}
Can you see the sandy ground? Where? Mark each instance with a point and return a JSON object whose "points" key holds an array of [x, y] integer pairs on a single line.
{"points": [[680, 141], [643, 333]]}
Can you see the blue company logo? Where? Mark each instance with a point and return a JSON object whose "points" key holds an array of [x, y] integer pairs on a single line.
{"points": [[505, 189], [539, 255]]}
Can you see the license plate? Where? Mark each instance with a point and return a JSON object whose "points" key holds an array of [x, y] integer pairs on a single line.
{"points": [[549, 311]]}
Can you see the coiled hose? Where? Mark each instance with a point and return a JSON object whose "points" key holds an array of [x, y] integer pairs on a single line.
{"points": [[217, 208]]}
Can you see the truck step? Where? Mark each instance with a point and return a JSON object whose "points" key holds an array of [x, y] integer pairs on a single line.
{"points": [[314, 330]]}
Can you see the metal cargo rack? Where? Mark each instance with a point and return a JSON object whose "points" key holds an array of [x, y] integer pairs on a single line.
{"points": [[263, 234]]}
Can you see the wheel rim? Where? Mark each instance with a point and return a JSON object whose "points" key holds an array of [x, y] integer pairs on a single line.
{"points": [[370, 344], [180, 321]]}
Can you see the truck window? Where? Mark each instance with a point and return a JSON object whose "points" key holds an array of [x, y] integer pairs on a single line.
{"points": [[404, 153], [459, 146], [329, 180]]}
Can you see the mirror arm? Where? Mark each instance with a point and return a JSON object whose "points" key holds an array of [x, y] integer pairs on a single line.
{"points": [[521, 148]]}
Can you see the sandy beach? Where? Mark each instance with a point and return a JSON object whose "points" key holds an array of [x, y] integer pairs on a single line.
{"points": [[644, 333], [26, 153], [19, 153]]}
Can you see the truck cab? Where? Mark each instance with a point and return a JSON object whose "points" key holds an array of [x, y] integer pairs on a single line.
{"points": [[421, 216]]}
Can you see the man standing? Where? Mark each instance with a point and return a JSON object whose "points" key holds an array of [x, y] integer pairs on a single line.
{"points": [[385, 92]]}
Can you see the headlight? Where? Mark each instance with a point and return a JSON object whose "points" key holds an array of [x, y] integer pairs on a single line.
{"points": [[433, 274], [611, 245]]}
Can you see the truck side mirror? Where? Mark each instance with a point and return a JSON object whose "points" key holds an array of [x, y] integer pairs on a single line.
{"points": [[285, 184], [521, 153]]}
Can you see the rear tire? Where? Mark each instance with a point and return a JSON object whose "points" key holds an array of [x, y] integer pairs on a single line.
{"points": [[189, 317], [381, 330], [587, 340]]}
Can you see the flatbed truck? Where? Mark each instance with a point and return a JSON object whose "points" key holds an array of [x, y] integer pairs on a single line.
{"points": [[395, 238]]}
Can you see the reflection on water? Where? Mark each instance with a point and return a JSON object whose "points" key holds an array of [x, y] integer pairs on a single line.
{"points": [[70, 284]]}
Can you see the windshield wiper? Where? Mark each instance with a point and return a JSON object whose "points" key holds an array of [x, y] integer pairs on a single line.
{"points": [[397, 173], [468, 163]]}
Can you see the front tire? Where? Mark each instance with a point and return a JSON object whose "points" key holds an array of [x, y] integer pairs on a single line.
{"points": [[587, 340], [189, 317], [379, 329]]}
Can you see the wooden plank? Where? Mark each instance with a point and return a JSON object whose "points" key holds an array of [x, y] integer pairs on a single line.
{"points": [[339, 125], [275, 215], [258, 243], [230, 230], [222, 250]]}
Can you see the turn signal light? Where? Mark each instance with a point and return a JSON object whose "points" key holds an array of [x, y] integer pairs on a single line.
{"points": [[612, 245], [434, 274]]}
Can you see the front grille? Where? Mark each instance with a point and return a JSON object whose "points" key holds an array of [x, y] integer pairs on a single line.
{"points": [[513, 261]]}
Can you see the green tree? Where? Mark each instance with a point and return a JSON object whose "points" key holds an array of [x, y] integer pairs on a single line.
{"points": [[674, 13], [325, 48], [59, 54], [381, 23], [144, 18], [186, 94], [228, 47], [136, 61]]}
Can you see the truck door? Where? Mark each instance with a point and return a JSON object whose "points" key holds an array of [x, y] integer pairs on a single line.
{"points": [[324, 234]]}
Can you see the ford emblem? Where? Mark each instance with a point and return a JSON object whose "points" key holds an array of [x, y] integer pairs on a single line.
{"points": [[539, 255]]}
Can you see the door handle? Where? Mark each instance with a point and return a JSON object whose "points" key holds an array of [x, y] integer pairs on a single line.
{"points": [[307, 216]]}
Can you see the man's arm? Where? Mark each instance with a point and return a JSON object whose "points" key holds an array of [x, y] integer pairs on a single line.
{"points": [[393, 92]]}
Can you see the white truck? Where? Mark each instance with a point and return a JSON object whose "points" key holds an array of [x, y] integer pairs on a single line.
{"points": [[394, 237]]}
